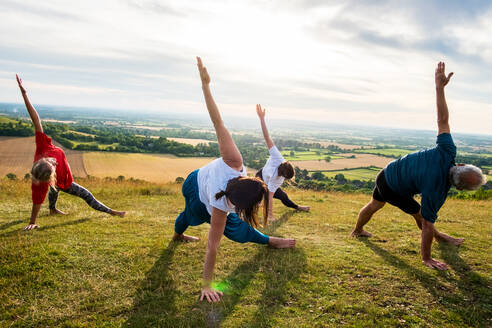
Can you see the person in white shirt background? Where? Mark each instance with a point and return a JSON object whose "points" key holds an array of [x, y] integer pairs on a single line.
{"points": [[221, 194], [275, 171]]}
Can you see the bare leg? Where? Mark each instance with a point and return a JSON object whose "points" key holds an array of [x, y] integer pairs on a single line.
{"points": [[440, 236], [365, 215], [303, 208], [281, 242], [185, 238]]}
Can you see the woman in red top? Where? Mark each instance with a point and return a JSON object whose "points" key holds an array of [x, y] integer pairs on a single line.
{"points": [[51, 171]]}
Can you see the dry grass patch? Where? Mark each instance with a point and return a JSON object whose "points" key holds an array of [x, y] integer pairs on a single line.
{"points": [[360, 160]]}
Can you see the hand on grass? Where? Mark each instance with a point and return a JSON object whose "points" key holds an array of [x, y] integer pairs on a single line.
{"points": [[431, 263], [203, 72], [31, 226], [211, 295]]}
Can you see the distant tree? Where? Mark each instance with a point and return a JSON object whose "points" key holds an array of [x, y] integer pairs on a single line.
{"points": [[340, 178], [327, 159], [179, 180], [292, 153], [27, 176], [318, 176], [11, 176], [120, 178]]}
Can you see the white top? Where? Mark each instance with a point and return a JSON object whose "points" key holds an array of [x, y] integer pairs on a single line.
{"points": [[270, 170], [213, 178]]}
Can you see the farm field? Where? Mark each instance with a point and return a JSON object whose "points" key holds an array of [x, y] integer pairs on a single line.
{"points": [[363, 174], [393, 152], [18, 154], [149, 167], [360, 160], [308, 155], [88, 269], [330, 143], [192, 142]]}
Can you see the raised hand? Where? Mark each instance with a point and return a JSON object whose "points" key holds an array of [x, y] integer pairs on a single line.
{"points": [[203, 72], [19, 82], [260, 112], [441, 78]]}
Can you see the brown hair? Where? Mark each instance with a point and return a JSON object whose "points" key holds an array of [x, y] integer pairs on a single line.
{"points": [[246, 193], [286, 170], [44, 170]]}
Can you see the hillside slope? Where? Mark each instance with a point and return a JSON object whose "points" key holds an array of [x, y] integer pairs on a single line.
{"points": [[88, 269]]}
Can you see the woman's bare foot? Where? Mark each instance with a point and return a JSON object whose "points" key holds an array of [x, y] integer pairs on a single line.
{"points": [[56, 211], [303, 208], [281, 242], [185, 238], [119, 213], [361, 233]]}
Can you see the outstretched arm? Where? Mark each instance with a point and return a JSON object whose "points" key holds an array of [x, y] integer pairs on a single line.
{"points": [[30, 108], [228, 150], [264, 129], [217, 226], [442, 108]]}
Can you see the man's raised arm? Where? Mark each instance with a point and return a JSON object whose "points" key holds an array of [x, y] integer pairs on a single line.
{"points": [[442, 108]]}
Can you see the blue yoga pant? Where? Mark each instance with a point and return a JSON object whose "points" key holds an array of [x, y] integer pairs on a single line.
{"points": [[195, 213]]}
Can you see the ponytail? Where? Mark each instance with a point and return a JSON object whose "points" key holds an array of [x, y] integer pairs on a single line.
{"points": [[220, 194]]}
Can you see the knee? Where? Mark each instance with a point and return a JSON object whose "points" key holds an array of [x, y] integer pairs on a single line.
{"points": [[373, 206]]}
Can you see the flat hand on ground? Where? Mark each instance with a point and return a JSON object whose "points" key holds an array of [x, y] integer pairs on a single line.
{"points": [[435, 264], [31, 226], [211, 294]]}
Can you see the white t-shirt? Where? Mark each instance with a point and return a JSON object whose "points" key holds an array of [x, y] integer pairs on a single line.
{"points": [[213, 178], [270, 170]]}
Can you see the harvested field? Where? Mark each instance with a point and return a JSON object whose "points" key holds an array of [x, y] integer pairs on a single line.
{"points": [[149, 167], [192, 142], [360, 160], [331, 143], [17, 156]]}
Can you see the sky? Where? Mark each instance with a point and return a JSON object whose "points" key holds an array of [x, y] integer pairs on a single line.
{"points": [[352, 62]]}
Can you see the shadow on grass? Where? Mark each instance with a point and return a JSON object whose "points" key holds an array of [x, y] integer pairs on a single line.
{"points": [[44, 227], [154, 302], [276, 267], [11, 223], [472, 287]]}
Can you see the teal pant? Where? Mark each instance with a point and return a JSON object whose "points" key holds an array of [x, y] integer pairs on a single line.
{"points": [[195, 213]]}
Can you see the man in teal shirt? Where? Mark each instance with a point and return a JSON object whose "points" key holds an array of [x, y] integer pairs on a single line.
{"points": [[429, 172]]}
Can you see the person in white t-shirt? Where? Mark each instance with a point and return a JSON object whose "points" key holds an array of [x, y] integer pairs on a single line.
{"points": [[275, 171], [221, 194]]}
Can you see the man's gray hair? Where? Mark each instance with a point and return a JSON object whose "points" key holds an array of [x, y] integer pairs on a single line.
{"points": [[460, 173]]}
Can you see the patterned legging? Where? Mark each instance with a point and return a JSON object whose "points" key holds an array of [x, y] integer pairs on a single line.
{"points": [[79, 191]]}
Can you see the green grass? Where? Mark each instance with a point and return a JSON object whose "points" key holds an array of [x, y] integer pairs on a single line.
{"points": [[390, 152], [362, 174], [88, 269], [4, 119], [312, 155], [100, 145]]}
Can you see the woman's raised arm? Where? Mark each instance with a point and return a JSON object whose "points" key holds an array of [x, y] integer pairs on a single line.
{"points": [[228, 150], [30, 108]]}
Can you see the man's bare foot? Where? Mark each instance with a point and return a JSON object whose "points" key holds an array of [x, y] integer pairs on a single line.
{"points": [[281, 242], [303, 208], [119, 213], [361, 233], [185, 238], [450, 240], [56, 211]]}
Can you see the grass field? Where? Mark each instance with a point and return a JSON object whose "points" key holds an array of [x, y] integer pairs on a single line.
{"points": [[308, 155], [192, 142], [360, 160], [4, 119], [393, 152], [88, 269], [362, 174]]}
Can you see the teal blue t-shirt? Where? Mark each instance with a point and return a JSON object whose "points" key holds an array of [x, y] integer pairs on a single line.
{"points": [[425, 172]]}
